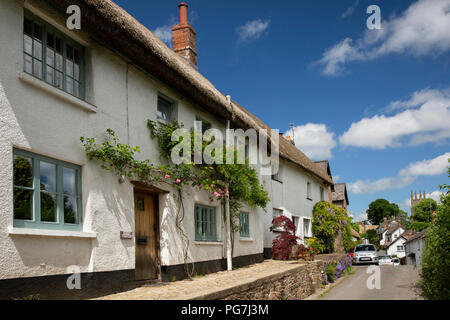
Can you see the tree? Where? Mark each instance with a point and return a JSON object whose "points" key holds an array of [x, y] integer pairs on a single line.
{"points": [[423, 213], [435, 278], [405, 219], [381, 208], [446, 186]]}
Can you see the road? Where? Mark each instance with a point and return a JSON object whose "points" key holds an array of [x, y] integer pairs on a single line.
{"points": [[396, 284]]}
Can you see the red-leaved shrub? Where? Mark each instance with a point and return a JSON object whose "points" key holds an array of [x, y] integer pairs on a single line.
{"points": [[281, 245]]}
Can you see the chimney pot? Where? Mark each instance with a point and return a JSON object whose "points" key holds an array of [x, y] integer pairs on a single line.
{"points": [[183, 12]]}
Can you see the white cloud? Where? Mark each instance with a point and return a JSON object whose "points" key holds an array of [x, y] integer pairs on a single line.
{"points": [[421, 30], [362, 215], [314, 140], [252, 30], [350, 10], [164, 33], [425, 118], [406, 176]]}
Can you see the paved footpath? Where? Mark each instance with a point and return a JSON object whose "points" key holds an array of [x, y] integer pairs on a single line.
{"points": [[397, 283], [202, 286]]}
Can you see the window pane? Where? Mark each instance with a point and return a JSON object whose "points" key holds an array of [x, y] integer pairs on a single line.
{"points": [[48, 177], [69, 68], [49, 75], [58, 79], [48, 207], [70, 210], [76, 89], [59, 62], [37, 68], [58, 47], [37, 51], [164, 109], [50, 57], [23, 172], [50, 40], [28, 44], [37, 31], [23, 204], [69, 85], [69, 184], [28, 27], [76, 71], [69, 50]]}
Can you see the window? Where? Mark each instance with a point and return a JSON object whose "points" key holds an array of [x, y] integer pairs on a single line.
{"points": [[400, 248], [205, 223], [306, 227], [322, 194], [52, 57], [277, 176], [308, 190], [244, 225], [275, 214], [47, 192], [295, 221], [202, 125], [164, 109]]}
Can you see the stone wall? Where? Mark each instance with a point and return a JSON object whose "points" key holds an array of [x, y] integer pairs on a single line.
{"points": [[295, 284]]}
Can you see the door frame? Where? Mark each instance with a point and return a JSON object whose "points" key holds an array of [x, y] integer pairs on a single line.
{"points": [[150, 192]]}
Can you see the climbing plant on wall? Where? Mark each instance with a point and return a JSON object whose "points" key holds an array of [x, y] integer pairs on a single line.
{"points": [[239, 181]]}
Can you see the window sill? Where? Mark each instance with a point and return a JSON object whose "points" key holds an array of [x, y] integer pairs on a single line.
{"points": [[246, 239], [38, 83], [51, 233], [309, 199], [208, 243]]}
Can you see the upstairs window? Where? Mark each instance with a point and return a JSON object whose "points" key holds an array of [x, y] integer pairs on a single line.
{"points": [[52, 57], [164, 110], [202, 125], [308, 190], [322, 194], [47, 192]]}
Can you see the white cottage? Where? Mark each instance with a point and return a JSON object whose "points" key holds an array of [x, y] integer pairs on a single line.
{"points": [[61, 213]]}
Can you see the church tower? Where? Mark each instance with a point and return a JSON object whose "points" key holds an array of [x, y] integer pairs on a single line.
{"points": [[416, 199]]}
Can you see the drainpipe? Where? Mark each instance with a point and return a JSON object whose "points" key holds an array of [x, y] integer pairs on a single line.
{"points": [[228, 232]]}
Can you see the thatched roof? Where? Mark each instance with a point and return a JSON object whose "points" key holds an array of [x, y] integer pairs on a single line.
{"points": [[340, 192], [115, 29]]}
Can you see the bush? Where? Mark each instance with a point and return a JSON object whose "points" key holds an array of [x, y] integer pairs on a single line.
{"points": [[316, 244], [282, 245], [435, 276], [328, 220]]}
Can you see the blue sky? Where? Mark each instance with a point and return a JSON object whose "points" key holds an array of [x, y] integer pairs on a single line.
{"points": [[376, 103]]}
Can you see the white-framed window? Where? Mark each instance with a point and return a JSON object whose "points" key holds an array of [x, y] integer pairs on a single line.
{"points": [[202, 125], [307, 228], [205, 223], [400, 248], [296, 222], [322, 194], [308, 190], [275, 214]]}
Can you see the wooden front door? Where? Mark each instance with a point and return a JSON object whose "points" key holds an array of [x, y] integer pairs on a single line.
{"points": [[146, 233]]}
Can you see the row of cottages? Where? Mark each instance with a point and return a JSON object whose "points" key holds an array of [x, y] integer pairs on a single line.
{"points": [[394, 237], [60, 212], [414, 248]]}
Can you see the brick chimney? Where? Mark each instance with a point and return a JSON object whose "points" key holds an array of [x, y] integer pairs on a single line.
{"points": [[184, 37]]}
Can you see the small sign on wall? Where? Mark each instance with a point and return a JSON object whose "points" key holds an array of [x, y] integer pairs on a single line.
{"points": [[126, 235]]}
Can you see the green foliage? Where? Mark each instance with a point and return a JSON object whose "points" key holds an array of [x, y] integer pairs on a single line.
{"points": [[331, 272], [405, 219], [241, 179], [435, 278], [419, 226], [119, 157], [316, 244], [423, 210], [381, 208], [371, 235], [328, 220]]}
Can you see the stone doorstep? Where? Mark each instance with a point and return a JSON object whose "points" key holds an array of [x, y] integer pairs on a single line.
{"points": [[248, 285]]}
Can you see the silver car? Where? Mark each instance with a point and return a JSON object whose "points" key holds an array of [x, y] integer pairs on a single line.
{"points": [[385, 260], [365, 253]]}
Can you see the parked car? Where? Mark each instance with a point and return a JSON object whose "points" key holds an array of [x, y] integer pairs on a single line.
{"points": [[396, 262], [385, 260], [351, 251], [365, 253]]}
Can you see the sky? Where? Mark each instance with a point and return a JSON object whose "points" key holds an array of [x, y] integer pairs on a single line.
{"points": [[374, 102]]}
